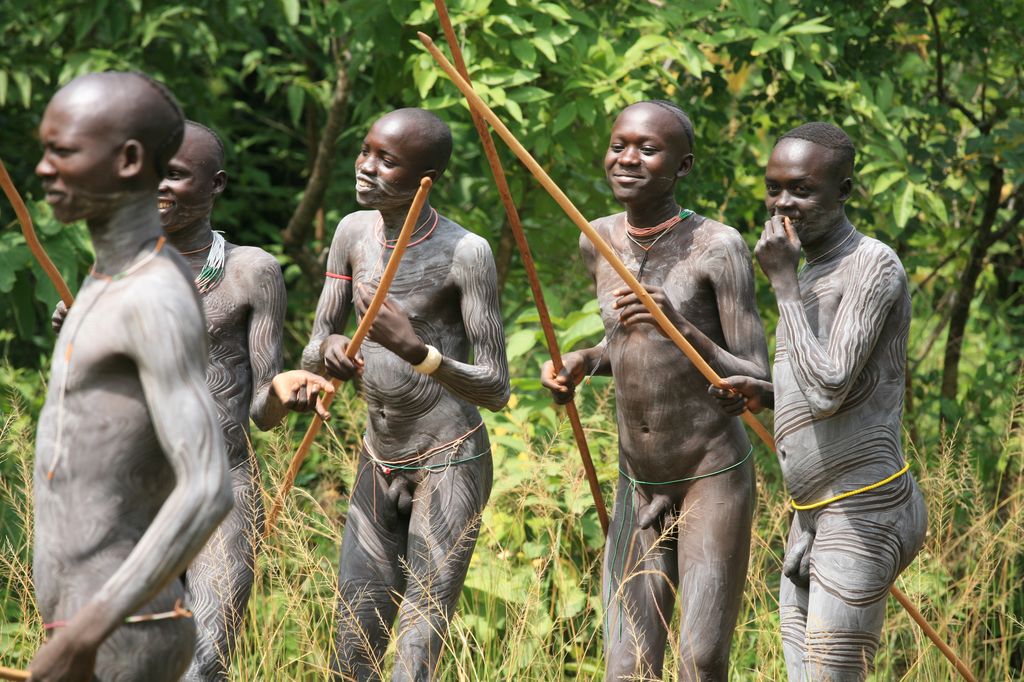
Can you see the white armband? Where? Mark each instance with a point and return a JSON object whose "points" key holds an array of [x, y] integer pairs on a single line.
{"points": [[431, 362]]}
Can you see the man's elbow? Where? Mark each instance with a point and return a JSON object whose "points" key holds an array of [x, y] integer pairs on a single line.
{"points": [[498, 401], [215, 498], [823, 405]]}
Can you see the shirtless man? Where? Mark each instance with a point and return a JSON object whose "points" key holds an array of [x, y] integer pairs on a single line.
{"points": [[840, 362], [130, 474], [424, 472], [684, 498], [243, 298]]}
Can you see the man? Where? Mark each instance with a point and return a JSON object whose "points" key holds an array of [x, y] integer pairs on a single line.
{"points": [[424, 472], [684, 498], [130, 474], [840, 362], [243, 299]]}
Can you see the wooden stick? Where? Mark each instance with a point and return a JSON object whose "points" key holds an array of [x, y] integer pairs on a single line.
{"points": [[353, 347], [33, 241], [531, 269], [663, 322], [12, 673]]}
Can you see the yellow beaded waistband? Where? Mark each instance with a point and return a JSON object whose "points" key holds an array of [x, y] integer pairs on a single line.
{"points": [[858, 491]]}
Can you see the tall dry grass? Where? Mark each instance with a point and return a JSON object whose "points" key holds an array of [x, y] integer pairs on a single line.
{"points": [[531, 608]]}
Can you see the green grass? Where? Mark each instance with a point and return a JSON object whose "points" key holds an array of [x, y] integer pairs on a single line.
{"points": [[531, 606]]}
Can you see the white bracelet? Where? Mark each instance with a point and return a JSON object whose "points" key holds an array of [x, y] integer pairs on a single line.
{"points": [[431, 362]]}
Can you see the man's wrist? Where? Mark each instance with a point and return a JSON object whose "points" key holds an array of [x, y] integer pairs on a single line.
{"points": [[416, 353]]}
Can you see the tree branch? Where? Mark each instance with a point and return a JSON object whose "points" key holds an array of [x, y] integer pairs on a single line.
{"points": [[296, 235], [940, 85]]}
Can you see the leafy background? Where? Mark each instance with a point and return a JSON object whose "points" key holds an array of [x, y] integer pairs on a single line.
{"points": [[929, 91]]}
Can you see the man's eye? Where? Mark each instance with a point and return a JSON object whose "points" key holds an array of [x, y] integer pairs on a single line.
{"points": [[388, 163], [616, 147], [649, 150]]}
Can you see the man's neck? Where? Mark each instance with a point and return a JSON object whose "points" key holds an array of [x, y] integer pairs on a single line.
{"points": [[651, 213], [119, 237], [394, 218], [831, 241], [193, 239]]}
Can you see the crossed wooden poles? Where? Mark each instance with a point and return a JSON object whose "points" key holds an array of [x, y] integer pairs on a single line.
{"points": [[480, 113], [480, 109]]}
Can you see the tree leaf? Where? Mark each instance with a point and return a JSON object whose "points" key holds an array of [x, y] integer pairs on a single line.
{"points": [[291, 11], [905, 205]]}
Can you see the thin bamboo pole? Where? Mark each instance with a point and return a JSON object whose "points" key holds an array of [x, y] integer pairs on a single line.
{"points": [[30, 236], [531, 269], [12, 673], [353, 347], [663, 322]]}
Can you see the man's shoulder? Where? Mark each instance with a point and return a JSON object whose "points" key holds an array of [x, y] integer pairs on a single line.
{"points": [[876, 262], [718, 234], [161, 293], [250, 259], [357, 220]]}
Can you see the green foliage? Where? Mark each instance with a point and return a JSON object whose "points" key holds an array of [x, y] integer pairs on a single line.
{"points": [[939, 177]]}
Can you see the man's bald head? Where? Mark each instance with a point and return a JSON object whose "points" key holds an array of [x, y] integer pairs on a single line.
{"points": [[426, 133], [682, 125], [830, 137], [213, 144], [132, 105]]}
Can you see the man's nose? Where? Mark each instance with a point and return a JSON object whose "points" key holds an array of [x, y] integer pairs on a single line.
{"points": [[44, 168], [367, 165], [163, 187], [629, 156], [784, 201]]}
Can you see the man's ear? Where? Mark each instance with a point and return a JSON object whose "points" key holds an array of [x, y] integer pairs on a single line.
{"points": [[433, 174], [220, 182], [845, 190], [131, 159], [685, 166]]}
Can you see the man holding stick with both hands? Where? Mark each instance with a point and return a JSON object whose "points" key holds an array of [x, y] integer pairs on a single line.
{"points": [[840, 363], [424, 472], [684, 498]]}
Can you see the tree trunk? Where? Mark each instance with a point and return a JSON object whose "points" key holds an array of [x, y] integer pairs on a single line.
{"points": [[961, 307], [296, 235]]}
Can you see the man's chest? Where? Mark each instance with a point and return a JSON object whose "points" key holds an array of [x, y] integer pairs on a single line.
{"points": [[424, 283], [686, 285]]}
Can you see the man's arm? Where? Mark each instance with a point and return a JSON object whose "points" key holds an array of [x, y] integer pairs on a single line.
{"points": [[579, 363], [732, 275], [165, 336], [825, 375], [332, 310], [485, 382], [266, 322]]}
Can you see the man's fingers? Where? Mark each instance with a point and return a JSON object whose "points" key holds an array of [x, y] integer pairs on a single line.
{"points": [[322, 411]]}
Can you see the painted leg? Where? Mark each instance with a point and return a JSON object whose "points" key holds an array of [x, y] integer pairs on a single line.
{"points": [[443, 530], [370, 578], [860, 547], [793, 599], [220, 579], [640, 577], [714, 550]]}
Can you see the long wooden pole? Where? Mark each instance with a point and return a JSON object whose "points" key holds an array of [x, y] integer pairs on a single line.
{"points": [[663, 322], [12, 673], [531, 270], [599, 243], [353, 347], [30, 237]]}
